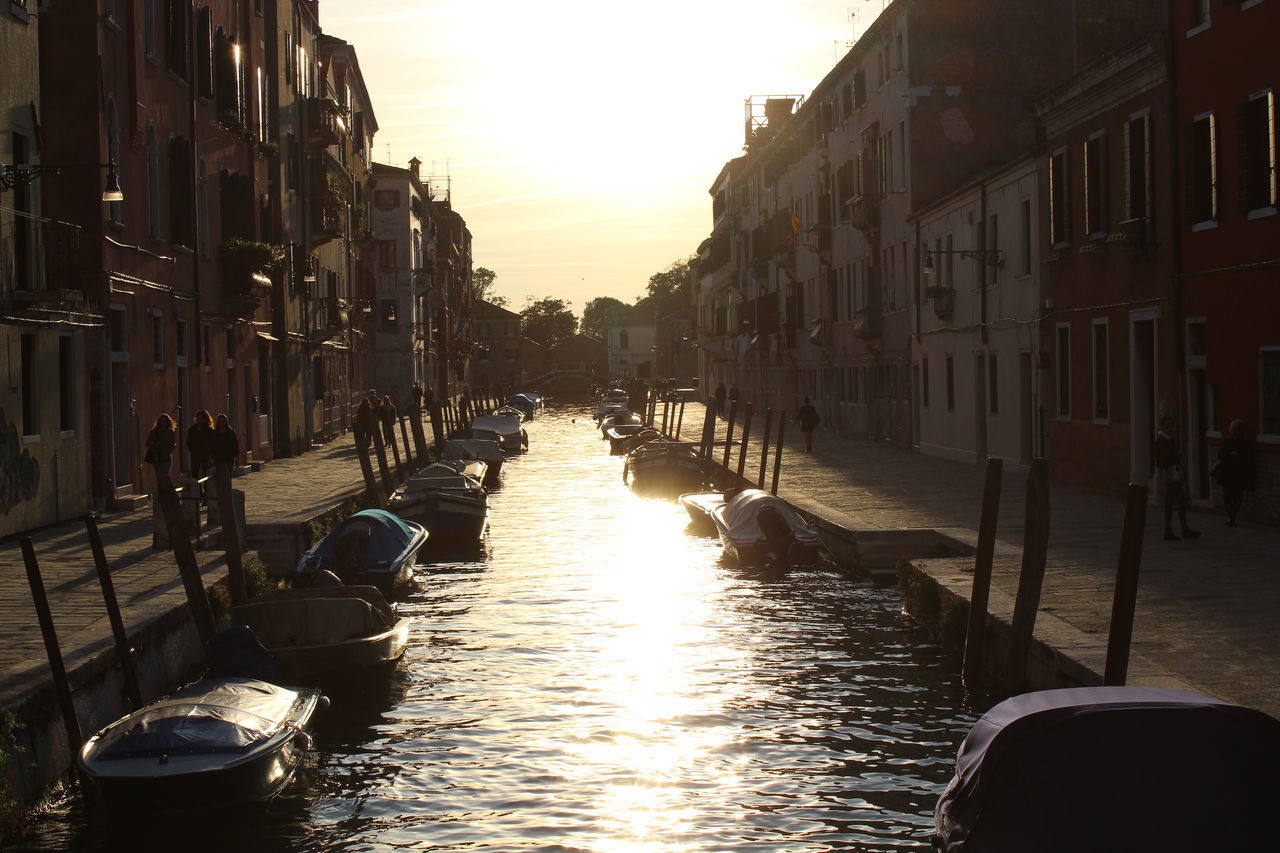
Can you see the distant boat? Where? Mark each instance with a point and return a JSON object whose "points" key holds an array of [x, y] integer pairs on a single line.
{"points": [[618, 435], [1111, 769], [755, 527], [518, 415], [373, 547], [507, 432], [318, 632], [488, 452], [217, 743], [447, 499], [527, 402]]}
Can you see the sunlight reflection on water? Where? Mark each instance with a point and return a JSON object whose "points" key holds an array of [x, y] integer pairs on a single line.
{"points": [[600, 681]]}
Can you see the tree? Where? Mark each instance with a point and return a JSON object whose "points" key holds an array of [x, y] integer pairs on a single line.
{"points": [[601, 313], [548, 320], [482, 283], [671, 288]]}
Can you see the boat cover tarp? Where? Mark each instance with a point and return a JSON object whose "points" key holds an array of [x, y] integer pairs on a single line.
{"points": [[222, 715], [741, 515], [500, 424], [1113, 769], [473, 448], [509, 412], [524, 399], [389, 536]]}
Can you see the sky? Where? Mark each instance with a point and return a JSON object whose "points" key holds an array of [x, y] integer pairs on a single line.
{"points": [[579, 137]]}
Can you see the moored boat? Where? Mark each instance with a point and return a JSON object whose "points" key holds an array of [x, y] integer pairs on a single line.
{"points": [[527, 402], [1111, 768], [450, 504], [316, 633], [664, 466], [372, 547], [488, 452], [511, 412], [617, 436], [507, 432], [757, 528], [218, 743]]}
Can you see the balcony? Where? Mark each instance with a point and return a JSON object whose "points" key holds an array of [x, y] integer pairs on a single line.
{"points": [[943, 299], [1134, 235], [330, 317], [37, 263], [326, 122], [246, 281], [864, 214]]}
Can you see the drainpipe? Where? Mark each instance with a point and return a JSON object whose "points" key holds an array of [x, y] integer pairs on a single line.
{"points": [[982, 272]]}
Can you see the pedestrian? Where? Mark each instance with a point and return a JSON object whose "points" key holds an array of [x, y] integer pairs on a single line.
{"points": [[1168, 459], [366, 423], [225, 445], [809, 420], [1235, 470], [387, 416], [733, 394], [719, 398], [161, 442], [199, 443]]}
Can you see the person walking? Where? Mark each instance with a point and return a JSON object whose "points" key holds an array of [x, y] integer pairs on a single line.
{"points": [[809, 420], [387, 416], [225, 444], [1168, 459], [161, 442], [1236, 469], [199, 443], [721, 391]]}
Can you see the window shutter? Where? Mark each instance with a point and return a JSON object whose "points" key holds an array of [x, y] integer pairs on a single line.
{"points": [[1190, 178], [1243, 198]]}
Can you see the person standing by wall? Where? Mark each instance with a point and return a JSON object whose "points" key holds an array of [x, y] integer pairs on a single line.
{"points": [[1168, 459], [161, 442], [225, 445], [809, 420], [1236, 469], [721, 391], [199, 443]]}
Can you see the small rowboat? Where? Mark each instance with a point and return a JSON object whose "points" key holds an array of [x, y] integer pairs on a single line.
{"points": [[372, 547], [755, 527]]}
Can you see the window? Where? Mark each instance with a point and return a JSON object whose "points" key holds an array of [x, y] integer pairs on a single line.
{"points": [[181, 204], [204, 52], [389, 323], [177, 36], [1202, 170], [206, 335], [901, 185], [951, 384], [1257, 152], [1137, 167], [1064, 370], [115, 209], [623, 341], [1024, 237], [153, 183], [924, 381], [157, 338], [860, 87], [993, 382], [29, 378], [1101, 373], [386, 254], [1059, 211], [993, 245], [149, 28], [202, 192], [1095, 185], [66, 384], [386, 199], [1269, 376], [1199, 15]]}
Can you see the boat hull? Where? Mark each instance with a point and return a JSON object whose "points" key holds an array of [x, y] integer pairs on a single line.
{"points": [[449, 518], [309, 664]]}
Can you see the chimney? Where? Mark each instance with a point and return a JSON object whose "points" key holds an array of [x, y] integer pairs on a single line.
{"points": [[413, 167]]}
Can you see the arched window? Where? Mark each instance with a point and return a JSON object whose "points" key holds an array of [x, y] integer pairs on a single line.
{"points": [[115, 209], [153, 182]]}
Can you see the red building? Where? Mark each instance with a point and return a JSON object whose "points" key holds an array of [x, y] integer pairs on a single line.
{"points": [[1108, 333], [1229, 234]]}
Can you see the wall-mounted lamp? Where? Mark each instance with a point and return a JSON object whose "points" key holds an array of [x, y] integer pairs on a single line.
{"points": [[17, 175], [986, 257]]}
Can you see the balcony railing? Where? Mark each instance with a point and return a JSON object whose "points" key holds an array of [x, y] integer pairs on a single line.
{"points": [[864, 213], [327, 122]]}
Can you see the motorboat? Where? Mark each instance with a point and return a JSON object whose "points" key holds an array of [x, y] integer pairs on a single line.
{"points": [[755, 527], [446, 498], [1112, 769], [664, 466], [642, 436], [218, 743], [611, 401], [318, 632], [625, 417], [511, 412], [488, 452], [527, 402], [373, 547], [507, 432], [618, 435]]}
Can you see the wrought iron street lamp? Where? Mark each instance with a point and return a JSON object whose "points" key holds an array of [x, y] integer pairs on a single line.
{"points": [[986, 257], [21, 174]]}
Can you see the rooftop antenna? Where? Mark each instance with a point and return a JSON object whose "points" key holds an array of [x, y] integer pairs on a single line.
{"points": [[389, 163]]}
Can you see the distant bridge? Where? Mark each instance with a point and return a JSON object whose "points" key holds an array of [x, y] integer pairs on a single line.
{"points": [[565, 380]]}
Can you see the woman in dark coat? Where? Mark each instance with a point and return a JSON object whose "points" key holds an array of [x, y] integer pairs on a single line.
{"points": [[225, 446], [387, 415], [200, 443], [809, 420], [161, 442], [1236, 471]]}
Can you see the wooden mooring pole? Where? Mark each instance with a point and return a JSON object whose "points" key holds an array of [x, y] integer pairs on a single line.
{"points": [[1035, 551], [708, 432], [438, 433], [388, 483], [124, 652], [976, 633], [746, 439], [728, 436], [231, 545], [764, 448], [61, 684], [680, 418], [371, 485], [408, 454], [390, 439], [1125, 601], [777, 453]]}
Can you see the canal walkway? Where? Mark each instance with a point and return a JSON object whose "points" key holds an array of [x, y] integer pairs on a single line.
{"points": [[1208, 611], [146, 579]]}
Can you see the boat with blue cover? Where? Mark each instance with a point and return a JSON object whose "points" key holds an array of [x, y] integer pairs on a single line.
{"points": [[372, 547]]}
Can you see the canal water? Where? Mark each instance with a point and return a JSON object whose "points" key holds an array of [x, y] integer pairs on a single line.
{"points": [[597, 679]]}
